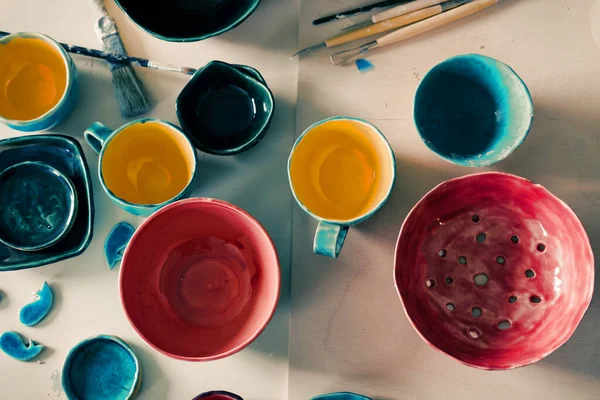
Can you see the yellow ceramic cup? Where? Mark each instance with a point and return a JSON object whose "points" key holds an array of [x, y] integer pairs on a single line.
{"points": [[341, 171]]}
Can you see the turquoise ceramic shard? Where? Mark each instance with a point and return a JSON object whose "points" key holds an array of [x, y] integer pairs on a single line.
{"points": [[116, 242], [341, 396], [101, 368], [34, 312], [13, 345]]}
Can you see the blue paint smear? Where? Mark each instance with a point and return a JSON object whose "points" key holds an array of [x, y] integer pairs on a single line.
{"points": [[101, 369], [116, 242], [14, 346], [364, 65], [34, 312]]}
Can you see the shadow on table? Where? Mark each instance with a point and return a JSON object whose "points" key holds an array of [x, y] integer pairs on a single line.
{"points": [[154, 383]]}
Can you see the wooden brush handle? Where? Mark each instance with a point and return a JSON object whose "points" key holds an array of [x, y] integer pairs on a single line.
{"points": [[384, 26], [404, 9], [435, 22]]}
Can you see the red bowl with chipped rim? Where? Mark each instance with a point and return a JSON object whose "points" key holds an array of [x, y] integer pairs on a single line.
{"points": [[200, 279], [494, 270]]}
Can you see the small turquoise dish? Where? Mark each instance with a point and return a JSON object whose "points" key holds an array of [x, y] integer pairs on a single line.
{"points": [[38, 204], [116, 242], [473, 110], [33, 313], [225, 109], [188, 20], [99, 137], [65, 155], [13, 345], [67, 103], [101, 368], [341, 396]]}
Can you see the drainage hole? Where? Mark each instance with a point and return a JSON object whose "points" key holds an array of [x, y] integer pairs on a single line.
{"points": [[474, 333], [450, 307], [512, 299], [504, 325], [462, 260], [476, 312], [449, 281], [500, 260], [442, 253], [535, 299], [481, 238], [514, 239], [481, 279], [475, 218], [541, 247], [529, 273], [430, 283]]}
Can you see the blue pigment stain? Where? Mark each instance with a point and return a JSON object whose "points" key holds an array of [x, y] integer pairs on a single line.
{"points": [[364, 65], [101, 369], [116, 242], [14, 346], [34, 312]]}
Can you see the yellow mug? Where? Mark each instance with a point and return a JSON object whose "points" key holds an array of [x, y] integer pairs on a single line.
{"points": [[341, 171]]}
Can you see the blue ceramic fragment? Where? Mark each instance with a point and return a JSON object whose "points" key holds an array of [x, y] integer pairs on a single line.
{"points": [[341, 396], [13, 345], [101, 368], [364, 65], [473, 110], [116, 242], [38, 204], [34, 312]]}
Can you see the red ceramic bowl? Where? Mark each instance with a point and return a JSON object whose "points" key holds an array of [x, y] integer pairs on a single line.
{"points": [[200, 279], [494, 270]]}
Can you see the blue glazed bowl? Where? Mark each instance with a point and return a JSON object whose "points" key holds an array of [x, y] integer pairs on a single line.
{"points": [[38, 205], [341, 396], [473, 110], [65, 106], [187, 20], [102, 367]]}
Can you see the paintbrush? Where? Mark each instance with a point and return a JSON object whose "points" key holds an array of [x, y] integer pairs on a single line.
{"points": [[386, 26], [359, 10], [121, 59], [396, 12], [413, 30], [130, 93]]}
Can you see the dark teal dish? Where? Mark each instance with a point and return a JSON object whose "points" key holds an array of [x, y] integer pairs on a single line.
{"points": [[37, 206], [65, 155], [101, 368], [187, 20], [341, 396], [225, 109]]}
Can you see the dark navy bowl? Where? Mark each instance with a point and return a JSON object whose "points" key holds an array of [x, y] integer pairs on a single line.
{"points": [[473, 110], [187, 20], [38, 204]]}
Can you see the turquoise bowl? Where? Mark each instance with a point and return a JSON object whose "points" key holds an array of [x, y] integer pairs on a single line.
{"points": [[65, 106], [101, 368], [187, 20], [472, 110]]}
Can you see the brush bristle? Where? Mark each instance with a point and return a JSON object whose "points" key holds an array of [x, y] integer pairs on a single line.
{"points": [[130, 95]]}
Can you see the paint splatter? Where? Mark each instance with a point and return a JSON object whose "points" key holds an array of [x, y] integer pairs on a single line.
{"points": [[364, 65], [56, 383]]}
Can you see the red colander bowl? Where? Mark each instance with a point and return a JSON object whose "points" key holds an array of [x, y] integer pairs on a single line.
{"points": [[494, 270]]}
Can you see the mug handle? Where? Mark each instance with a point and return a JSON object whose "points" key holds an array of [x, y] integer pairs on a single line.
{"points": [[116, 242], [96, 135], [329, 239]]}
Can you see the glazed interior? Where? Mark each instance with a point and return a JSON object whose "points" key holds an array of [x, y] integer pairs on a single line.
{"points": [[494, 270], [341, 169], [199, 279], [148, 163], [472, 108], [33, 75]]}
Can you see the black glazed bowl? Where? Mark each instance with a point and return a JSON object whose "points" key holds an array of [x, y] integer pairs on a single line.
{"points": [[225, 109], [187, 20]]}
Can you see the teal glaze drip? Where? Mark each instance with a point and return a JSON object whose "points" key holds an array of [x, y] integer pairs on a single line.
{"points": [[34, 312], [13, 345], [364, 65]]}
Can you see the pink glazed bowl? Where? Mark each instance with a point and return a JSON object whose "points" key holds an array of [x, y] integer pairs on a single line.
{"points": [[200, 279], [494, 270]]}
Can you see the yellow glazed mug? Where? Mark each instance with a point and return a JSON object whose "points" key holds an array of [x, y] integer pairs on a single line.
{"points": [[341, 171]]}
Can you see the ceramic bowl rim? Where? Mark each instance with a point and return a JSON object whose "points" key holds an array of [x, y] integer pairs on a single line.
{"points": [[475, 161], [358, 396], [253, 139], [579, 224], [203, 201], [373, 209], [146, 207], [157, 35], [69, 76], [217, 392], [65, 381], [72, 195]]}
